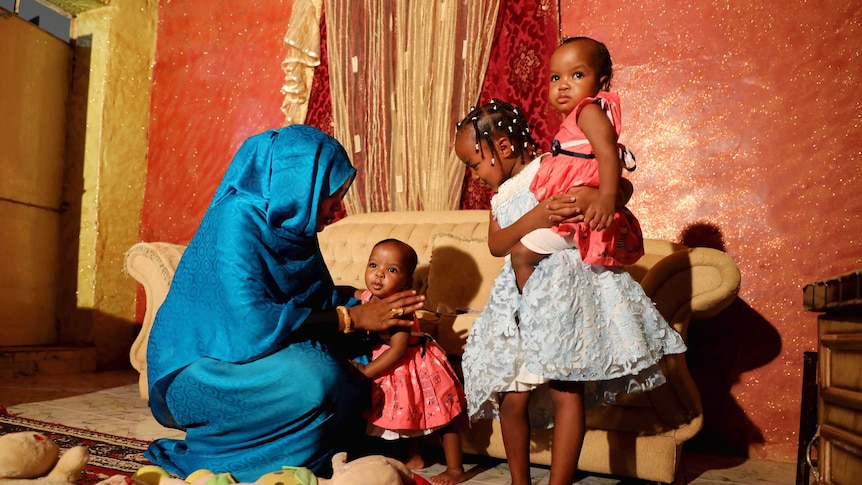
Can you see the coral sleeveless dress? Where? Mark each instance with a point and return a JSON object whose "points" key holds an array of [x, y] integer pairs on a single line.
{"points": [[417, 396], [574, 164]]}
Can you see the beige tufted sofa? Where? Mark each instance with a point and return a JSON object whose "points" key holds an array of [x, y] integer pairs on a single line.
{"points": [[641, 436]]}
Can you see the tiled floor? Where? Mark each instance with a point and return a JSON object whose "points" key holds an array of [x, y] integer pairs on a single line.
{"points": [[108, 402]]}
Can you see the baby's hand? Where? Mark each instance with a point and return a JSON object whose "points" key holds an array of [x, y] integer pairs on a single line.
{"points": [[359, 366], [600, 214]]}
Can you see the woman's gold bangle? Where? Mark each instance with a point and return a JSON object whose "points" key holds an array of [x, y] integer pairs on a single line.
{"points": [[345, 316]]}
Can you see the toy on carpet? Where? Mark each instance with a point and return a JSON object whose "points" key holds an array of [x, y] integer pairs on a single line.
{"points": [[371, 470], [27, 457], [367, 470], [120, 480]]}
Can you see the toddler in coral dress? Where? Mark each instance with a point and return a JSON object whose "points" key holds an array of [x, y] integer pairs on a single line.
{"points": [[585, 152], [414, 389]]}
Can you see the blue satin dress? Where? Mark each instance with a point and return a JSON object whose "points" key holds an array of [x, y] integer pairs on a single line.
{"points": [[231, 358]]}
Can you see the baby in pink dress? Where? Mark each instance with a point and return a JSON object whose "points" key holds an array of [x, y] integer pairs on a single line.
{"points": [[414, 389], [585, 153]]}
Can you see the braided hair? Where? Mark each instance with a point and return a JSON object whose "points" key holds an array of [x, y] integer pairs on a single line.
{"points": [[495, 117]]}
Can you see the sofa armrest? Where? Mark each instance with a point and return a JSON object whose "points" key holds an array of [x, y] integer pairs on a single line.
{"points": [[692, 284], [688, 284], [153, 266]]}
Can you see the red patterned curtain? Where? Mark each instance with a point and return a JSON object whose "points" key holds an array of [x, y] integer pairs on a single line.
{"points": [[320, 99], [526, 35]]}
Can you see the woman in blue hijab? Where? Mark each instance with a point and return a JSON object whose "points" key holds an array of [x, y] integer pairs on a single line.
{"points": [[243, 354]]}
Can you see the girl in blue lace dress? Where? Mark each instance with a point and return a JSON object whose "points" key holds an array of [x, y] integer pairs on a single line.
{"points": [[578, 333]]}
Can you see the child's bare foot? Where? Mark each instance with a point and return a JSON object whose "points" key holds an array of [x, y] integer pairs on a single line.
{"points": [[450, 477], [416, 462]]}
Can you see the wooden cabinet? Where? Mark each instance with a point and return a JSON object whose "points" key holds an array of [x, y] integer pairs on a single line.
{"points": [[34, 95], [839, 410]]}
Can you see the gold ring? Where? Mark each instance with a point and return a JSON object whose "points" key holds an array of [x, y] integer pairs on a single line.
{"points": [[397, 312]]}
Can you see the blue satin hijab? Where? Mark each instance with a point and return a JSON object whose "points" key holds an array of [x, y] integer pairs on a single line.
{"points": [[253, 271]]}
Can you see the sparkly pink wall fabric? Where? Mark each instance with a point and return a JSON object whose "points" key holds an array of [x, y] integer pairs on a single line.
{"points": [[216, 81], [746, 122], [745, 119]]}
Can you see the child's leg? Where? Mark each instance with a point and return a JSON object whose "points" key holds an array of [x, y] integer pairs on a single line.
{"points": [[524, 261], [414, 459], [533, 248], [569, 430], [454, 456], [515, 425]]}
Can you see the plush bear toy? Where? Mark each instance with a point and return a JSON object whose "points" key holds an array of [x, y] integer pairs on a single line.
{"points": [[32, 458], [374, 469], [367, 470]]}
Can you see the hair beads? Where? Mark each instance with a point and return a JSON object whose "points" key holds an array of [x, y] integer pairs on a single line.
{"points": [[495, 117]]}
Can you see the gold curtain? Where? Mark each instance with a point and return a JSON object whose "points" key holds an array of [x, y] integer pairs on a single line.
{"points": [[402, 73], [302, 43]]}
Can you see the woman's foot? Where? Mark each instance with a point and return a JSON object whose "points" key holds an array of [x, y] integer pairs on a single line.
{"points": [[450, 477]]}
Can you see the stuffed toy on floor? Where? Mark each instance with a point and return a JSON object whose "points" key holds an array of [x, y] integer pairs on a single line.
{"points": [[31, 458], [367, 470]]}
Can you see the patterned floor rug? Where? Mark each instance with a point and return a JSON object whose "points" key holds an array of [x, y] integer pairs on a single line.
{"points": [[109, 455]]}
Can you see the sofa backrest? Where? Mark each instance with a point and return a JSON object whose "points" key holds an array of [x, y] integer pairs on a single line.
{"points": [[457, 242], [685, 283], [347, 243]]}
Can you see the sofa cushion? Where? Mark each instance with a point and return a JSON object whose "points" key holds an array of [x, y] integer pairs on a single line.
{"points": [[461, 273]]}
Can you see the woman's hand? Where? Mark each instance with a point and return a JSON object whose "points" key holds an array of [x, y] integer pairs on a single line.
{"points": [[380, 315]]}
